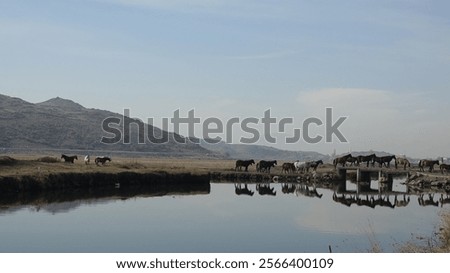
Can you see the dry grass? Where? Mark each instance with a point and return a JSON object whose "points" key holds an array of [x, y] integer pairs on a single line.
{"points": [[38, 165], [46, 164]]}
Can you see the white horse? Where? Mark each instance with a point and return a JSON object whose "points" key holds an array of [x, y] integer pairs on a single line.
{"points": [[303, 166], [87, 159]]}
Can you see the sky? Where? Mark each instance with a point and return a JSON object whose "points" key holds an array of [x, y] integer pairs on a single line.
{"points": [[383, 65]]}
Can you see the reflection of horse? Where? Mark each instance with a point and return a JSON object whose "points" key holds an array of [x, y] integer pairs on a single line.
{"points": [[101, 160], [239, 190], [445, 167], [288, 188], [402, 162], [341, 160], [69, 159], [343, 199], [365, 158], [265, 166], [383, 201], [429, 202], [445, 200], [401, 203], [265, 189], [244, 163], [288, 167], [428, 163], [87, 159], [304, 189], [367, 202]]}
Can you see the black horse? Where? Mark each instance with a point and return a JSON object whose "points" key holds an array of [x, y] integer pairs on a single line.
{"points": [[243, 163], [102, 160], [315, 164], [69, 159], [265, 166], [386, 161], [365, 158]]}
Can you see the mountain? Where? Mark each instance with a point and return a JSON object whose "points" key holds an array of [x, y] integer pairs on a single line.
{"points": [[258, 152], [63, 124], [66, 125]]}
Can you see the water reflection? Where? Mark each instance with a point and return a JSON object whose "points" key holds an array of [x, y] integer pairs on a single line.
{"points": [[380, 193], [373, 194], [67, 200]]}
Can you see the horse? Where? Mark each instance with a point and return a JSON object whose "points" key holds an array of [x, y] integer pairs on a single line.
{"points": [[244, 163], [402, 162], [315, 164], [427, 163], [265, 166], [341, 160], [69, 159], [301, 166], [445, 167], [87, 159], [378, 160], [287, 167], [365, 158], [288, 188], [352, 160], [386, 160], [101, 160]]}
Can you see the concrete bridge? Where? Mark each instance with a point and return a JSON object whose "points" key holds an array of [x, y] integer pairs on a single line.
{"points": [[363, 173]]}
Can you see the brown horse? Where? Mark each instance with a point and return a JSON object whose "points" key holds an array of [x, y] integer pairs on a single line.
{"points": [[288, 167], [341, 160], [402, 162], [445, 167], [244, 163], [428, 163]]}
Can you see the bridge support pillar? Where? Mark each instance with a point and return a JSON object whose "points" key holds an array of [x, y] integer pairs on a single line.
{"points": [[364, 176], [342, 174]]}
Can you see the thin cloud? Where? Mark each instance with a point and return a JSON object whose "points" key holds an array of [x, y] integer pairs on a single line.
{"points": [[265, 56]]}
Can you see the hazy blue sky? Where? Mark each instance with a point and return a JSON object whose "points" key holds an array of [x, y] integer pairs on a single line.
{"points": [[383, 64]]}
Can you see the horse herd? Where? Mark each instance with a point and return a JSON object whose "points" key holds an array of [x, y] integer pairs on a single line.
{"points": [[288, 167], [386, 161], [87, 159], [346, 160]]}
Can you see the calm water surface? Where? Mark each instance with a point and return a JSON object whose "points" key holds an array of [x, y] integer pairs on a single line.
{"points": [[217, 220]]}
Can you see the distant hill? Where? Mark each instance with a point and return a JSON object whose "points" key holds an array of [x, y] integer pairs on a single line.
{"points": [[260, 152], [63, 124]]}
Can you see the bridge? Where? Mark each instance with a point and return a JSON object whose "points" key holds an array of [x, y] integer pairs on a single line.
{"points": [[363, 173]]}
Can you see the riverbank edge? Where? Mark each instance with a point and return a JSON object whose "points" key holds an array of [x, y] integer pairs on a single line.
{"points": [[75, 180]]}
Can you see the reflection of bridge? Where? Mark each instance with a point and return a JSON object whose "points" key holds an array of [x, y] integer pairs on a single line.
{"points": [[363, 173], [378, 194]]}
